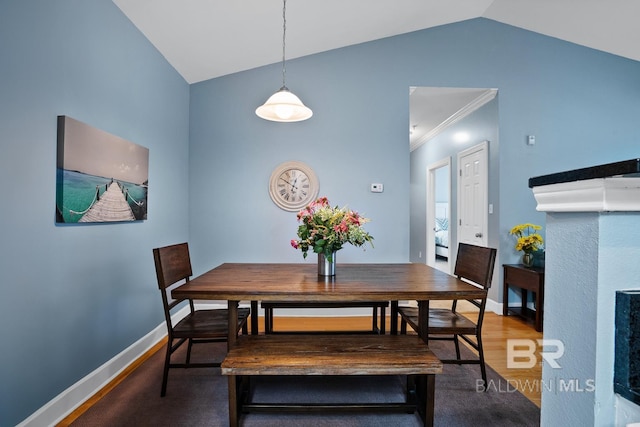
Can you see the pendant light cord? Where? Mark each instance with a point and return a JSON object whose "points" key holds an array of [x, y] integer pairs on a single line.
{"points": [[284, 34]]}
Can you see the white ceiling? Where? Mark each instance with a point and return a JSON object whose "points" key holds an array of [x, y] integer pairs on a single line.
{"points": [[204, 39]]}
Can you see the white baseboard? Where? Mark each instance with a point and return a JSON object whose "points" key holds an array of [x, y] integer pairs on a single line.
{"points": [[70, 399], [494, 306]]}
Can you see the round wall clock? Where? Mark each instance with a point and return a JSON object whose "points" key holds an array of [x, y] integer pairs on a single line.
{"points": [[293, 185]]}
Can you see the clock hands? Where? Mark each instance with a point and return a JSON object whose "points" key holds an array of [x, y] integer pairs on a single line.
{"points": [[293, 186]]}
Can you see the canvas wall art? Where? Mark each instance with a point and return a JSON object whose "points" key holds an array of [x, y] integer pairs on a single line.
{"points": [[100, 177]]}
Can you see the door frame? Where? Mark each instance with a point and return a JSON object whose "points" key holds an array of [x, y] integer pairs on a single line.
{"points": [[431, 212]]}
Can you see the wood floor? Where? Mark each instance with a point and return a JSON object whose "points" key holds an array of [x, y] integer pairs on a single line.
{"points": [[496, 331]]}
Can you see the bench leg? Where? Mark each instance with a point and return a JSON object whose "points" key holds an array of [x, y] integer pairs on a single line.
{"points": [[393, 324], [254, 318], [233, 401], [426, 397], [268, 320], [374, 318]]}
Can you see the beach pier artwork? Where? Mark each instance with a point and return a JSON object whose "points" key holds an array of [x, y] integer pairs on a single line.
{"points": [[100, 177]]}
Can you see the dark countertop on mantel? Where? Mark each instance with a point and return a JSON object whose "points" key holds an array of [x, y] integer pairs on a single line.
{"points": [[624, 168]]}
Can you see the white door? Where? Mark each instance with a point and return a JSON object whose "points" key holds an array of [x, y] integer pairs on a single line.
{"points": [[472, 195]]}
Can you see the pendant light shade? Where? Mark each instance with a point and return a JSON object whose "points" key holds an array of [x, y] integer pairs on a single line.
{"points": [[284, 106]]}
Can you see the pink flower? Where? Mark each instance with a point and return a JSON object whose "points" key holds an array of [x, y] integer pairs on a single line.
{"points": [[305, 213], [294, 243], [353, 218], [342, 227]]}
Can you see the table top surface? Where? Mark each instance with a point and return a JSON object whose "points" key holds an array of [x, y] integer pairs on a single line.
{"points": [[300, 282]]}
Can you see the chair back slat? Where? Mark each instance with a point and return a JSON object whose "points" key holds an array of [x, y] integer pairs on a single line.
{"points": [[475, 263], [172, 264]]}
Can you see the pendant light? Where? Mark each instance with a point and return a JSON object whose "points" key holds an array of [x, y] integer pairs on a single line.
{"points": [[284, 106]]}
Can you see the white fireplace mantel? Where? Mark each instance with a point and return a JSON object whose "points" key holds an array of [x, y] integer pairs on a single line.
{"points": [[592, 195], [612, 187]]}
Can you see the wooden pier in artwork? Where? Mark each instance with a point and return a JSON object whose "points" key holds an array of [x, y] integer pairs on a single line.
{"points": [[112, 206]]}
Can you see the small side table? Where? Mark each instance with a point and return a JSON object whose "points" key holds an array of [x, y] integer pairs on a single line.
{"points": [[527, 279]]}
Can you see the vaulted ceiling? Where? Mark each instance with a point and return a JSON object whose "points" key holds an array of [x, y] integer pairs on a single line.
{"points": [[203, 39]]}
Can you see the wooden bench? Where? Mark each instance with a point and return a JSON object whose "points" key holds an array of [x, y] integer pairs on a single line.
{"points": [[332, 355], [269, 306]]}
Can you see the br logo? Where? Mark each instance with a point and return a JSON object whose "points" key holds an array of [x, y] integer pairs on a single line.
{"points": [[521, 353]]}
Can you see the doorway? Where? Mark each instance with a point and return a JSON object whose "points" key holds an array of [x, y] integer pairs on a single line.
{"points": [[437, 133], [439, 215]]}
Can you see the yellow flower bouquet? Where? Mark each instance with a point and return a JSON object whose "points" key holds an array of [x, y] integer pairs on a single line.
{"points": [[528, 240]]}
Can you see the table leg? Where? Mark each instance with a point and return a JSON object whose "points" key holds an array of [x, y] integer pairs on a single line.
{"points": [[539, 309], [232, 323], [505, 298], [423, 320]]}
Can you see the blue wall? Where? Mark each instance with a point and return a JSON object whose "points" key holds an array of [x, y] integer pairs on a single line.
{"points": [[75, 296], [353, 139], [580, 103]]}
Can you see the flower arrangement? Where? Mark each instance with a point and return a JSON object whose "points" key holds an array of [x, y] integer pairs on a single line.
{"points": [[528, 238], [325, 229]]}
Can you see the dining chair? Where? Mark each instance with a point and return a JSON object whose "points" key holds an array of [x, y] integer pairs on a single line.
{"points": [[474, 264], [173, 268]]}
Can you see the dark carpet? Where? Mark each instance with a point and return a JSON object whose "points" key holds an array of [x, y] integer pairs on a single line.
{"points": [[198, 397]]}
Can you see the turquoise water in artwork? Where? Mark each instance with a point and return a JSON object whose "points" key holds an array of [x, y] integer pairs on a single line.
{"points": [[76, 192]]}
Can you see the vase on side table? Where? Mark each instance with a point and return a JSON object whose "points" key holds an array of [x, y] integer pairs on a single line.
{"points": [[327, 267], [527, 259]]}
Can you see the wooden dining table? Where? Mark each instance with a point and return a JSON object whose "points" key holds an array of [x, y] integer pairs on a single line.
{"points": [[236, 282]]}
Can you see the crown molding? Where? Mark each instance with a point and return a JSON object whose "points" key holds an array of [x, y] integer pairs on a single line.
{"points": [[463, 112]]}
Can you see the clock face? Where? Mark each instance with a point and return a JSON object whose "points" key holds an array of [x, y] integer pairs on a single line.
{"points": [[293, 185]]}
